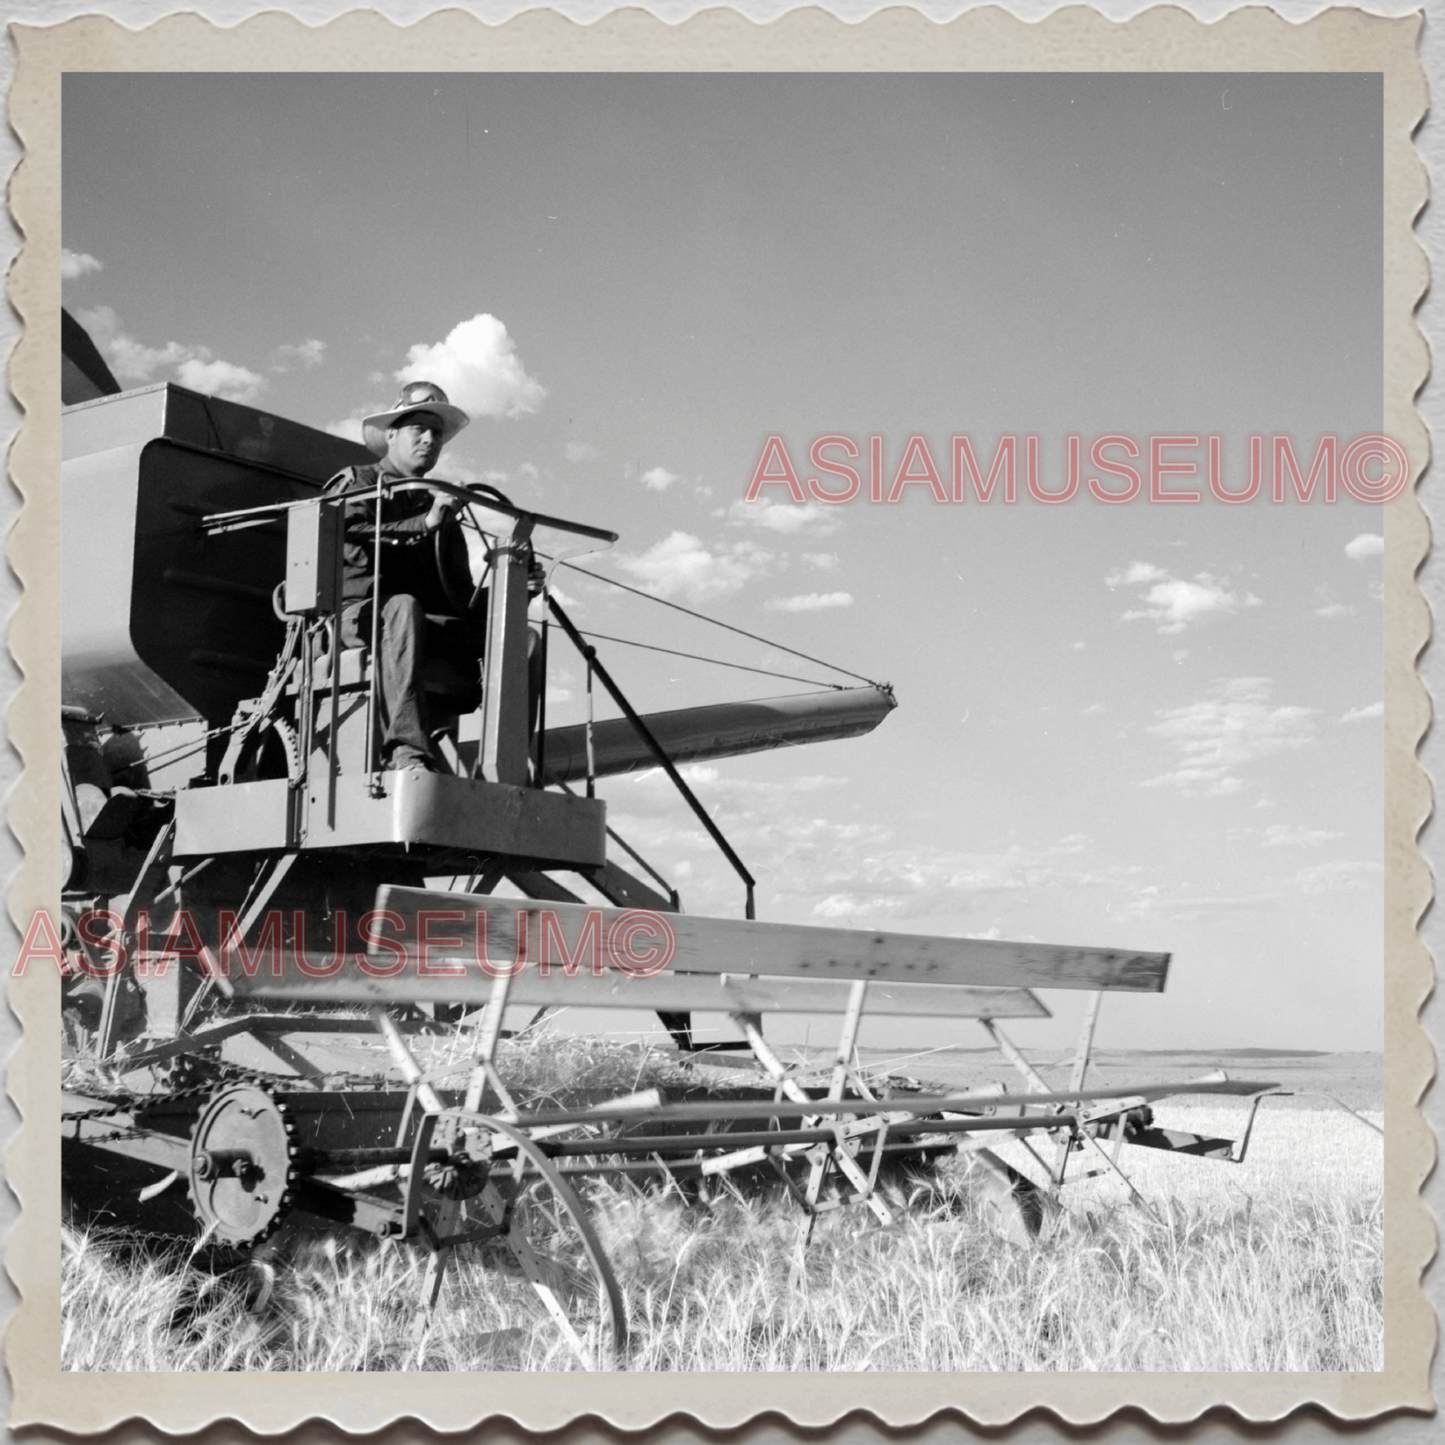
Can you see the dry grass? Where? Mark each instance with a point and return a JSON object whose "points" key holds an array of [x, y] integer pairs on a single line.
{"points": [[1273, 1265]]}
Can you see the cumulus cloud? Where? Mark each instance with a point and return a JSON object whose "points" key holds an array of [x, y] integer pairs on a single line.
{"points": [[197, 367], [1226, 732], [1282, 835], [681, 565], [478, 368], [1360, 714], [1175, 603], [348, 427], [787, 518], [221, 378], [308, 353], [582, 452], [823, 561], [74, 264], [131, 360], [1135, 573], [811, 602], [1367, 544], [658, 479], [1333, 609]]}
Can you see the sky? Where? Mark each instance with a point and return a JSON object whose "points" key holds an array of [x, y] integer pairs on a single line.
{"points": [[1144, 726]]}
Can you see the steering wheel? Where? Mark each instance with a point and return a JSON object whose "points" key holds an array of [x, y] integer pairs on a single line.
{"points": [[453, 556], [454, 567]]}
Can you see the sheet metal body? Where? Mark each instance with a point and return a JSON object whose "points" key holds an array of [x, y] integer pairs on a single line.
{"points": [[724, 730], [405, 810]]}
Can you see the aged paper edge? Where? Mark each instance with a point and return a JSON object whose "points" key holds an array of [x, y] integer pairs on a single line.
{"points": [[1075, 39]]}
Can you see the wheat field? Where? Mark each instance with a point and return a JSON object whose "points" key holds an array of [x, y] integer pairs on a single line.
{"points": [[1275, 1264]]}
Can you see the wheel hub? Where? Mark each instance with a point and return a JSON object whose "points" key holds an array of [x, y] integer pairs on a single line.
{"points": [[240, 1165]]}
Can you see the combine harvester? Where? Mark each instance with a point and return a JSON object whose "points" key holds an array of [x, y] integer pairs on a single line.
{"points": [[240, 876]]}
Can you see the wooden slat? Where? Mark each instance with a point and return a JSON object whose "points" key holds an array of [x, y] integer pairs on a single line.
{"points": [[738, 946], [671, 992]]}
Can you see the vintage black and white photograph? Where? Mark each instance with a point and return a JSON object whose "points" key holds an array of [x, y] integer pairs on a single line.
{"points": [[722, 722]]}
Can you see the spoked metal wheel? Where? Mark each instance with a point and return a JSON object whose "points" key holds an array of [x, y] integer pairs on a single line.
{"points": [[554, 1245]]}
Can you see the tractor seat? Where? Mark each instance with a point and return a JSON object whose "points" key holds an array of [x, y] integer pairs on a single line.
{"points": [[457, 686]]}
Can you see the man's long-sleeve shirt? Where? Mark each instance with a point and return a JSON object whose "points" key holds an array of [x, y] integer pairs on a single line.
{"points": [[408, 558]]}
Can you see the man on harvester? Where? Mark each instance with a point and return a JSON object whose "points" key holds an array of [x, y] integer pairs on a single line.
{"points": [[398, 585]]}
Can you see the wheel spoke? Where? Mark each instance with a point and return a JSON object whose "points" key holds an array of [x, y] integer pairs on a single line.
{"points": [[556, 1248]]}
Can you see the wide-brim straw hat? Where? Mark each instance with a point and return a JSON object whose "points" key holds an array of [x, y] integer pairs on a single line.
{"points": [[415, 396]]}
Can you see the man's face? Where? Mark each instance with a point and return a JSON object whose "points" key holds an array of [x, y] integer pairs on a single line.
{"points": [[414, 444]]}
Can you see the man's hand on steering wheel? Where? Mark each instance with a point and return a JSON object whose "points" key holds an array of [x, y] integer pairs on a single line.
{"points": [[442, 507]]}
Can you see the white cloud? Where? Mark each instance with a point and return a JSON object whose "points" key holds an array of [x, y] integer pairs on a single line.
{"points": [[1367, 544], [308, 353], [1345, 876], [478, 368], [348, 427], [1175, 603], [1359, 714], [788, 518], [823, 561], [1094, 709], [870, 879], [1135, 573], [196, 367], [1154, 904], [582, 452], [1226, 732], [1283, 835], [221, 378], [811, 602], [74, 264], [1334, 609], [680, 565], [131, 360], [658, 479]]}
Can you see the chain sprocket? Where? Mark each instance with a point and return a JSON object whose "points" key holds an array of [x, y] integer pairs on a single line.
{"points": [[242, 1165]]}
